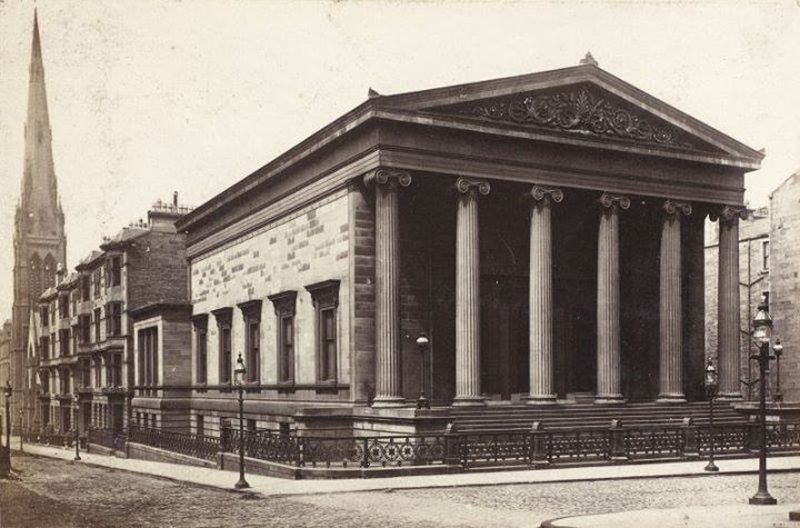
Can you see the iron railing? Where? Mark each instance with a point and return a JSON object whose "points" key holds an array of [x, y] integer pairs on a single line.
{"points": [[190, 444], [474, 449]]}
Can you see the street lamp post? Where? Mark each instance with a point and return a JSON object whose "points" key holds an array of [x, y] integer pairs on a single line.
{"points": [[7, 392], [422, 344], [21, 433], [762, 325], [778, 349], [77, 427], [711, 385], [239, 372]]}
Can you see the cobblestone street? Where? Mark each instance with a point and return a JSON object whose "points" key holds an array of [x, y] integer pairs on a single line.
{"points": [[55, 493]]}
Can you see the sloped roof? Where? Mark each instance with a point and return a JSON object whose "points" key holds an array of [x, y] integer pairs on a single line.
{"points": [[125, 236]]}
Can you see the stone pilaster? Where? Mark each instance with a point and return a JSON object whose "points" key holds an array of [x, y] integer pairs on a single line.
{"points": [[468, 283], [728, 306], [608, 336], [540, 333], [670, 308], [388, 390]]}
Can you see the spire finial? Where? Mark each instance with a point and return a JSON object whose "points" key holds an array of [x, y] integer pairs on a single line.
{"points": [[588, 59]]}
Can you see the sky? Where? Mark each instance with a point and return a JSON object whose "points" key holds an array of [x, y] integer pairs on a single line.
{"points": [[147, 97]]}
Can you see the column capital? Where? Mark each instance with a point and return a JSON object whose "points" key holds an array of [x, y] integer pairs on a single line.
{"points": [[540, 194], [614, 201], [729, 213], [383, 176], [467, 185], [672, 208]]}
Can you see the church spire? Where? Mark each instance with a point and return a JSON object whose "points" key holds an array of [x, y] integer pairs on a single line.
{"points": [[39, 200]]}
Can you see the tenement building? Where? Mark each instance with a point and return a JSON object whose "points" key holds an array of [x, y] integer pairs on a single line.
{"points": [[544, 231], [40, 243], [85, 353]]}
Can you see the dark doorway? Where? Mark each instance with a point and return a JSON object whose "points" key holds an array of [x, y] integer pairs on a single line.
{"points": [[504, 336], [575, 225]]}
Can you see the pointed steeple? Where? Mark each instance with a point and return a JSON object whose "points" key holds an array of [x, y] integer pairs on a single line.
{"points": [[39, 198], [39, 239]]}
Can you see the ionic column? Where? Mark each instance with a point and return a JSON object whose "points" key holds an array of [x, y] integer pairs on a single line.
{"points": [[670, 372], [468, 283], [608, 338], [387, 279], [728, 302], [540, 333]]}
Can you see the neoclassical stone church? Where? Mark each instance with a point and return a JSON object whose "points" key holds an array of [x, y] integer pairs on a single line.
{"points": [[543, 231]]}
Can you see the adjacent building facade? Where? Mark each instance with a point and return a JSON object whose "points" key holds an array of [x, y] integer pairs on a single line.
{"points": [[545, 232], [84, 349]]}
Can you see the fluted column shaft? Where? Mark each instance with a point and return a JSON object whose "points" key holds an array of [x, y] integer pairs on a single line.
{"points": [[728, 322], [670, 312], [388, 387], [468, 283], [608, 329], [540, 299]]}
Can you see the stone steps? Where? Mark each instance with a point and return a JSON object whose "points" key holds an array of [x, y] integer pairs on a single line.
{"points": [[515, 416]]}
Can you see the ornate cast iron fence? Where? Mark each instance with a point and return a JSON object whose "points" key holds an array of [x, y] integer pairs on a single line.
{"points": [[190, 444], [534, 447]]}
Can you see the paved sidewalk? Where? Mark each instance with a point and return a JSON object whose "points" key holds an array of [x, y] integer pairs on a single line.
{"points": [[739, 516], [276, 486]]}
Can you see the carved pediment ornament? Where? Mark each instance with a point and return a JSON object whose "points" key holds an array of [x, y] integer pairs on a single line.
{"points": [[579, 110], [541, 194], [384, 176], [614, 201], [729, 213], [465, 185], [672, 207]]}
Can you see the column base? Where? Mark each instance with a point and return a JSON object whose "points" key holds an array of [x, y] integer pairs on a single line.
{"points": [[729, 396], [671, 398], [388, 401], [467, 401], [609, 399], [540, 399]]}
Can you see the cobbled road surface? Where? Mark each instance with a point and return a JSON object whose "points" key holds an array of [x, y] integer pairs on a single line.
{"points": [[54, 493]]}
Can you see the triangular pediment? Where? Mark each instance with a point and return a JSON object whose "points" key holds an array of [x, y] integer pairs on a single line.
{"points": [[583, 110], [583, 102]]}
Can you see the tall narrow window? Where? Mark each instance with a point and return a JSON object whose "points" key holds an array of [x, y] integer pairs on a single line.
{"points": [[284, 304], [116, 270], [63, 305], [325, 296], [97, 316], [85, 287], [251, 313], [765, 255], [114, 319], [96, 281], [224, 317], [200, 323], [63, 342]]}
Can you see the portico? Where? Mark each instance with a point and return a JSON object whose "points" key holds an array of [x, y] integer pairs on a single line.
{"points": [[568, 269]]}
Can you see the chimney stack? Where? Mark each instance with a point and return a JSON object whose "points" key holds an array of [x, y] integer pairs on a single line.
{"points": [[175, 198]]}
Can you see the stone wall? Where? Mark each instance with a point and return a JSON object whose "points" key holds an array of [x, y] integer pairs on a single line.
{"points": [[785, 281], [305, 247]]}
